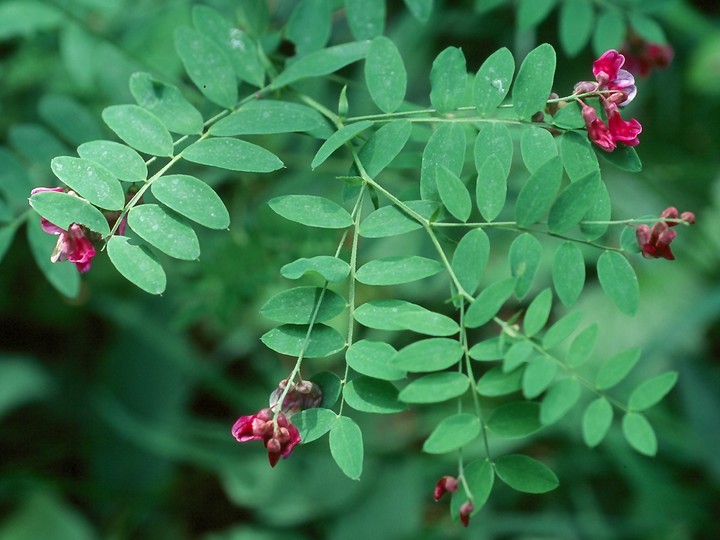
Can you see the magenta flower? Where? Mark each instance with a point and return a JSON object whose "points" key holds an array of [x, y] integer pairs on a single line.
{"points": [[642, 57], [445, 484], [620, 130], [598, 131], [72, 245], [655, 242], [610, 76], [278, 434]]}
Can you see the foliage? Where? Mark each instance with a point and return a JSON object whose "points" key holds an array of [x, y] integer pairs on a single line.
{"points": [[449, 227]]}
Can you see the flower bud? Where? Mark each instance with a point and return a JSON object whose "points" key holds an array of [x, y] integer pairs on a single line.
{"points": [[688, 217], [445, 484], [465, 511]]}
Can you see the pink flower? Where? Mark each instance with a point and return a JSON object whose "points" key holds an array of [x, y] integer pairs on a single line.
{"points": [[465, 511], [72, 245], [445, 484], [598, 132], [655, 242], [620, 130], [610, 77], [278, 434], [642, 57]]}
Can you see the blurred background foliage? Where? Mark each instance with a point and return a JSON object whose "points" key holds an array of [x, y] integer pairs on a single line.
{"points": [[116, 407]]}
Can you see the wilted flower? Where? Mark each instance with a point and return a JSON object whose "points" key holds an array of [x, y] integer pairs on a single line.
{"points": [[300, 396], [445, 484], [278, 434]]}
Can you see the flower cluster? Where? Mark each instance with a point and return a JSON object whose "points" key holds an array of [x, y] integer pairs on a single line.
{"points": [[272, 425], [276, 431], [72, 245], [642, 56], [450, 484], [655, 242], [615, 87]]}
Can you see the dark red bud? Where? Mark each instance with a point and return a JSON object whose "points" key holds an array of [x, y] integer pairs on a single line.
{"points": [[465, 511]]}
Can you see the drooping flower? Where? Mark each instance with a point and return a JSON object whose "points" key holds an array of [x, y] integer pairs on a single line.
{"points": [[642, 56], [655, 242], [445, 484], [278, 434], [598, 131], [72, 245], [620, 130], [465, 511]]}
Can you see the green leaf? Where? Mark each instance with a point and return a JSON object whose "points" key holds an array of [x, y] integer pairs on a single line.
{"points": [[537, 313], [559, 399], [421, 9], [314, 423], [470, 259], [568, 273], [374, 359], [122, 161], [577, 155], [391, 221], [90, 180], [164, 231], [395, 270], [192, 198], [385, 73], [596, 422], [346, 447], [539, 374], [534, 81], [447, 80], [63, 276], [366, 18], [609, 31], [167, 103], [647, 28], [525, 474], [435, 388], [515, 419], [238, 46], [136, 264], [27, 17], [623, 157], [600, 210], [289, 339], [577, 18], [492, 81], [619, 281], [331, 386], [516, 355], [383, 146], [331, 269], [370, 395], [573, 203], [266, 117], [537, 146], [322, 62], [309, 26], [562, 329], [538, 193], [140, 129], [312, 211], [491, 187], [298, 305], [445, 147], [582, 346], [452, 433], [495, 382], [652, 391], [208, 66], [494, 140], [614, 370], [639, 433], [489, 302], [383, 314], [427, 322], [453, 193], [232, 154], [63, 209], [480, 478], [21, 381], [337, 139], [7, 233], [524, 258], [433, 354], [72, 120], [533, 12]]}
